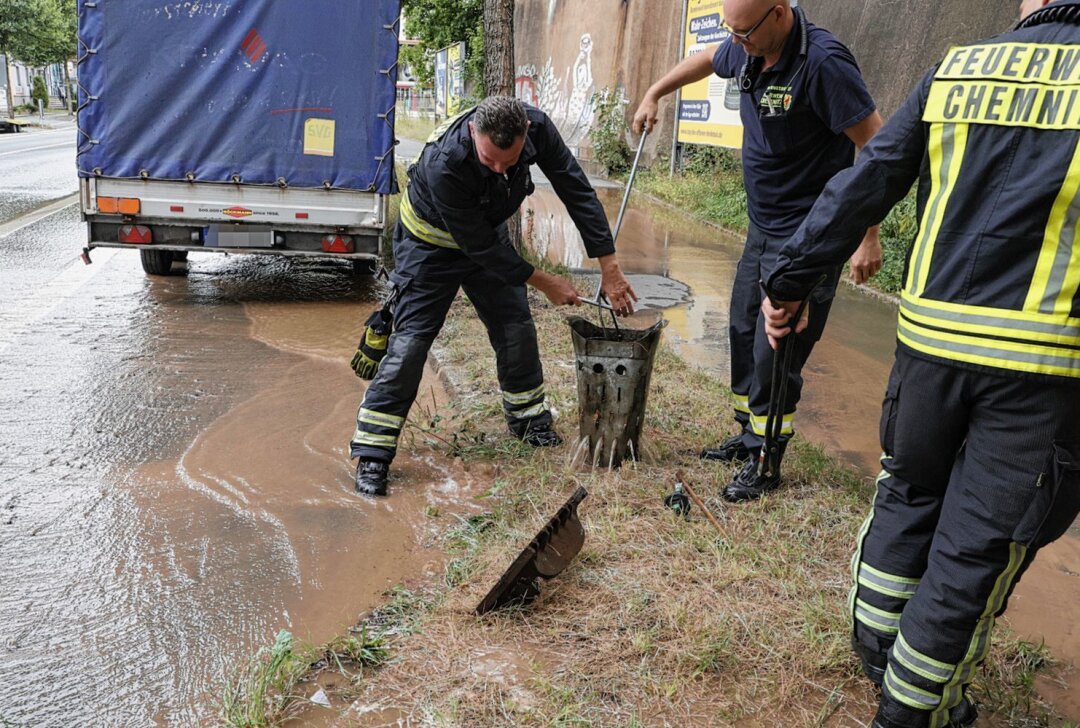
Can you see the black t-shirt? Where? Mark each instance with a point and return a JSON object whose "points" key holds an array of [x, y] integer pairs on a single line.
{"points": [[794, 119]]}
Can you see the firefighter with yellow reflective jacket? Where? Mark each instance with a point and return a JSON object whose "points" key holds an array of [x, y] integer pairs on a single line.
{"points": [[471, 176], [981, 421]]}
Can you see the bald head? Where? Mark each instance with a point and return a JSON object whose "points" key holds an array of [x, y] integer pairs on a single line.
{"points": [[757, 8], [768, 23]]}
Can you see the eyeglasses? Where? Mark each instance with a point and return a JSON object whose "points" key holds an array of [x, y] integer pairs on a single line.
{"points": [[746, 36]]}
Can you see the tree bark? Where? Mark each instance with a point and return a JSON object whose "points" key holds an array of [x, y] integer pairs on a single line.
{"points": [[7, 86], [68, 96], [499, 71], [498, 47]]}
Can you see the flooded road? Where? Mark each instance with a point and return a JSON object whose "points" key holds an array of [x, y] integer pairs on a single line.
{"points": [[174, 481], [845, 378]]}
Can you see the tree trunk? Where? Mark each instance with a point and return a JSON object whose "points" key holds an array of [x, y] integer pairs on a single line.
{"points": [[499, 70], [7, 86], [68, 96], [498, 47]]}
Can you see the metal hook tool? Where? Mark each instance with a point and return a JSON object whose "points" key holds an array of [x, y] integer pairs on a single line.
{"points": [[599, 300]]}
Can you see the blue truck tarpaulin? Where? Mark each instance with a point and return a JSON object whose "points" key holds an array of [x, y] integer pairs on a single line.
{"points": [[260, 91]]}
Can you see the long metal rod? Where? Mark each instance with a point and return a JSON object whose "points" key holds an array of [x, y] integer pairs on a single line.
{"points": [[629, 185], [598, 299]]}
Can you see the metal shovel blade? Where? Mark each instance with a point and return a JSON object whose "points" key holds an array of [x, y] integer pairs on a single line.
{"points": [[550, 551]]}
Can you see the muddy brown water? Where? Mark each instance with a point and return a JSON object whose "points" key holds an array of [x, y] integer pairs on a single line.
{"points": [[678, 258], [175, 486]]}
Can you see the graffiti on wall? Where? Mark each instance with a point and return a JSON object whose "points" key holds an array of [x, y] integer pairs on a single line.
{"points": [[567, 99]]}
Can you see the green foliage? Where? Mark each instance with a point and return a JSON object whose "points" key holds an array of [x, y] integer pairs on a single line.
{"points": [[438, 24], [260, 694], [898, 232], [608, 133], [38, 32], [40, 92], [703, 159]]}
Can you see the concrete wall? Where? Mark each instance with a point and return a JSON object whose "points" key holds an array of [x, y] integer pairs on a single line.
{"points": [[895, 43], [566, 50]]}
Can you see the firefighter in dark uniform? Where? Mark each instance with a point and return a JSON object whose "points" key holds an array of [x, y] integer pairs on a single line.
{"points": [[980, 426], [471, 176], [805, 109]]}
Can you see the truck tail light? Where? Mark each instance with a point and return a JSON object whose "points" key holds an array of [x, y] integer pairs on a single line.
{"points": [[119, 205], [139, 234], [338, 244]]}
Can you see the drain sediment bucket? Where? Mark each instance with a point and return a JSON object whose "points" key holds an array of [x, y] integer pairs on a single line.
{"points": [[614, 367]]}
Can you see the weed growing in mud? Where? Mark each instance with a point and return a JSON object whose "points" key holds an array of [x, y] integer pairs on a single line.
{"points": [[265, 691], [261, 693]]}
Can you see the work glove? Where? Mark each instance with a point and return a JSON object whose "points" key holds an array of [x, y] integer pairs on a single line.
{"points": [[372, 347]]}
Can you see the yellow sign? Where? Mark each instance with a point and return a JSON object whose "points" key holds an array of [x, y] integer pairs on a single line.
{"points": [[319, 137], [455, 78], [708, 109]]}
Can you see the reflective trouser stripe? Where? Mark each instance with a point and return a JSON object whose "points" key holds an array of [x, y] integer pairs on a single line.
{"points": [[378, 418], [530, 412], [370, 438], [908, 694], [946, 146], [920, 664], [742, 402], [979, 646], [877, 619], [1057, 272], [521, 398], [901, 587], [757, 424], [856, 558], [422, 230]]}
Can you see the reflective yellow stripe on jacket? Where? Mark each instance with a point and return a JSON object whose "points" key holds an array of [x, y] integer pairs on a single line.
{"points": [[982, 89], [422, 230]]}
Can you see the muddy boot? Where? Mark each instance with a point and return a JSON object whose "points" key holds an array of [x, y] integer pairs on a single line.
{"points": [[749, 484], [729, 451], [892, 714], [540, 434], [371, 476]]}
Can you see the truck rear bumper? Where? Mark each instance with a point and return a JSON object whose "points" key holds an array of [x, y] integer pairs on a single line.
{"points": [[237, 251]]}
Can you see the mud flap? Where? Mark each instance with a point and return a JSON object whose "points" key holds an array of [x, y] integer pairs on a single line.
{"points": [[551, 551]]}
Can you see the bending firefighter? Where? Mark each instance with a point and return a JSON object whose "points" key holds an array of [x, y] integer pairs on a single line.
{"points": [[981, 439], [471, 176], [805, 109]]}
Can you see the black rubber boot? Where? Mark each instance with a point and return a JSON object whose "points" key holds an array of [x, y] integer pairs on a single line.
{"points": [[371, 476], [873, 663], [749, 485], [892, 714], [540, 434], [729, 451]]}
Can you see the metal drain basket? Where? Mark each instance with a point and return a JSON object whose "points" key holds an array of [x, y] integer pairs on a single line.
{"points": [[614, 367]]}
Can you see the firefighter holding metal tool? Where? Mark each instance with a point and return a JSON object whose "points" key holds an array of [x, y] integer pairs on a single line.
{"points": [[471, 176], [979, 427], [805, 110]]}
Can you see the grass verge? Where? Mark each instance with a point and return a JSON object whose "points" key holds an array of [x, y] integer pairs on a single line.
{"points": [[411, 127], [659, 621]]}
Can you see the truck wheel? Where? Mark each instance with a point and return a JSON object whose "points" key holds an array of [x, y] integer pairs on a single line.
{"points": [[156, 262], [365, 266], [179, 256]]}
